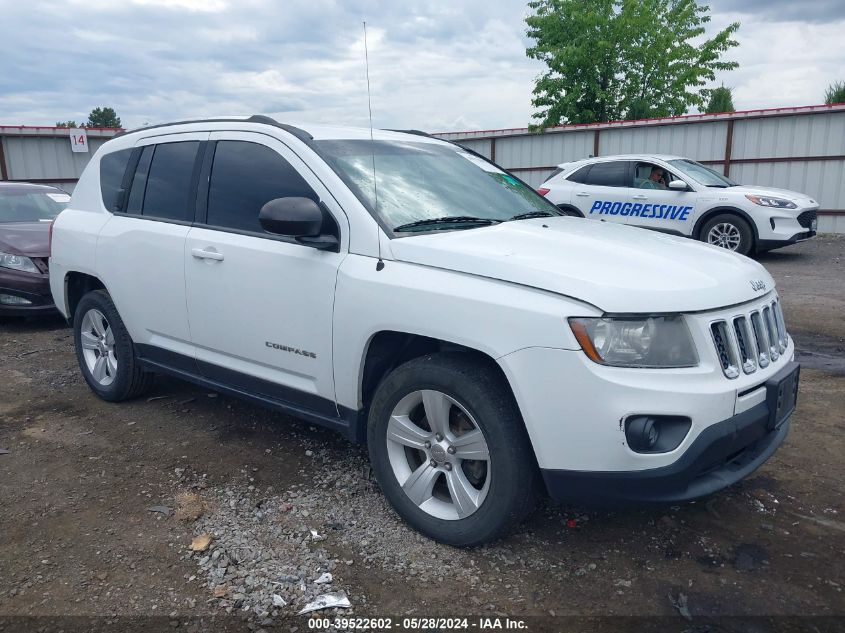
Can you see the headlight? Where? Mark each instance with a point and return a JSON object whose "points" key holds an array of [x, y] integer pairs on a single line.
{"points": [[656, 341], [777, 203], [17, 262]]}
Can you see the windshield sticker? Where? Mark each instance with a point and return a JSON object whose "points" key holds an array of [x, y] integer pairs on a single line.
{"points": [[59, 197]]}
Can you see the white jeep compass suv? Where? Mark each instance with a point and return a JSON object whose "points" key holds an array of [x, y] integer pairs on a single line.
{"points": [[416, 297], [679, 196]]}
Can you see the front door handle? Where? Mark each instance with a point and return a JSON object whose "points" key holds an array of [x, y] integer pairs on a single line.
{"points": [[582, 193], [640, 197], [201, 254]]}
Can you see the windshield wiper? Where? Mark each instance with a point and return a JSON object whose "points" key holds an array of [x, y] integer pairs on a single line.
{"points": [[533, 214], [719, 186], [446, 223]]}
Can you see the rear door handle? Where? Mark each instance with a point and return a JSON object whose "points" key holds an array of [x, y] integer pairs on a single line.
{"points": [[201, 254], [583, 194], [640, 197]]}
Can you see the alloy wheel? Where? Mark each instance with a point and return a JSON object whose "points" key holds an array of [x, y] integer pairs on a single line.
{"points": [[97, 340], [438, 454], [725, 235]]}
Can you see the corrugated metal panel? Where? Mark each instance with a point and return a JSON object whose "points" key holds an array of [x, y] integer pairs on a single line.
{"points": [[832, 224], [543, 150], [481, 146], [45, 157], [824, 181], [702, 141], [783, 137], [535, 177]]}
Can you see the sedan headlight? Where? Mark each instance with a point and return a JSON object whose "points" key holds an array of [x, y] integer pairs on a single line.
{"points": [[777, 203], [17, 262], [654, 341]]}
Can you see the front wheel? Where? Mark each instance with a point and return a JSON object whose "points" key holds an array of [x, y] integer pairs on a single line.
{"points": [[449, 449], [105, 351], [728, 231]]}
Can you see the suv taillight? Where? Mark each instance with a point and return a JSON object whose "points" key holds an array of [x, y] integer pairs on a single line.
{"points": [[543, 191]]}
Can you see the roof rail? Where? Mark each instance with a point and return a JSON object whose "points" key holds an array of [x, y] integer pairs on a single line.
{"points": [[299, 133]]}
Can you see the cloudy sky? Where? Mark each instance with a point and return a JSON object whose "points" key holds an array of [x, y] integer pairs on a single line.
{"points": [[436, 65]]}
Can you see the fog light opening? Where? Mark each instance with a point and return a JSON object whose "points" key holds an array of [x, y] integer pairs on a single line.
{"points": [[655, 433], [14, 300]]}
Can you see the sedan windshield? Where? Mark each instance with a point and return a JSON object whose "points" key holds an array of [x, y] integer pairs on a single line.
{"points": [[24, 204], [702, 174], [430, 187]]}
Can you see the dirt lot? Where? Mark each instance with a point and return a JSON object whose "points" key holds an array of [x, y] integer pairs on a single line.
{"points": [[77, 536]]}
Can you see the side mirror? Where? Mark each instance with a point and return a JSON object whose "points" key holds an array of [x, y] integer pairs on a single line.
{"points": [[300, 218], [678, 185]]}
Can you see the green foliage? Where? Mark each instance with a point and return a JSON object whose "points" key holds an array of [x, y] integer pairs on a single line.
{"points": [[835, 93], [721, 100], [103, 117], [612, 59], [66, 124]]}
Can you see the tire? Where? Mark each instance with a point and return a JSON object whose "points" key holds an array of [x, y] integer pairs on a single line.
{"points": [[728, 231], [105, 351], [495, 494]]}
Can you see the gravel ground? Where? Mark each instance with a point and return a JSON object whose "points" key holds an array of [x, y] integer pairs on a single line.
{"points": [[101, 504]]}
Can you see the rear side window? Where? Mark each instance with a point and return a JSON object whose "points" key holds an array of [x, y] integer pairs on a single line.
{"points": [[580, 175], [112, 168], [244, 177], [611, 174], [169, 182]]}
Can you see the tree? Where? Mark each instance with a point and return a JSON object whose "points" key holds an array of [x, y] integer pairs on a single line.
{"points": [[721, 100], [835, 93], [103, 117], [577, 40], [66, 124], [608, 59]]}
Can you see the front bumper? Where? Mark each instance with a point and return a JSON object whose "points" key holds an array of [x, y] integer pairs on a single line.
{"points": [[720, 456], [768, 245], [34, 288]]}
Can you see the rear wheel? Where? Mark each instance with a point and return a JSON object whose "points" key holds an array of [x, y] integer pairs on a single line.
{"points": [[105, 351], [730, 232], [449, 449]]}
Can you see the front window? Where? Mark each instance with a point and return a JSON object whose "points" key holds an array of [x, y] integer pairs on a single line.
{"points": [[26, 204], [417, 182], [702, 174]]}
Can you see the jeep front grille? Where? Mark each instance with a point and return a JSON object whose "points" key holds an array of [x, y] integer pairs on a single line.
{"points": [[751, 340]]}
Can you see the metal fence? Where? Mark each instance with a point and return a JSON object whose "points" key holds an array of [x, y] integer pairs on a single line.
{"points": [[802, 149], [43, 154]]}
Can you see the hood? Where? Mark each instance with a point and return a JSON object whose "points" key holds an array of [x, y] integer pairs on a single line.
{"points": [[25, 238], [801, 198], [613, 267]]}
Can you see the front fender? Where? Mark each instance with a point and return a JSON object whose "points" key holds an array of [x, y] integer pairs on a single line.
{"points": [[490, 316]]}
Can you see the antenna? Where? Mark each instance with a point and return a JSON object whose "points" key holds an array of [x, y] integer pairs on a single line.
{"points": [[380, 263]]}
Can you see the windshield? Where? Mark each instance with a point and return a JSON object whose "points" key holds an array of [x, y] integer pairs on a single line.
{"points": [[702, 174], [426, 181], [22, 204]]}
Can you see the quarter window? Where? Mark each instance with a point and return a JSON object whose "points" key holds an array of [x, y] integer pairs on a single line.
{"points": [[112, 168], [609, 174], [168, 189], [244, 177], [580, 175]]}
